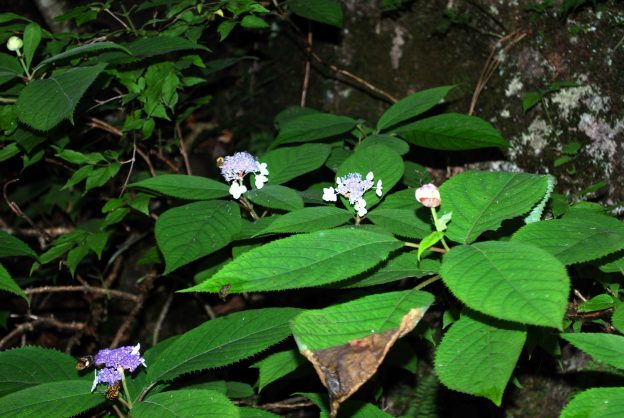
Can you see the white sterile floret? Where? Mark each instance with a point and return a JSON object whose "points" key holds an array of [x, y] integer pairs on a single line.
{"points": [[360, 207], [329, 194], [236, 190], [378, 188]]}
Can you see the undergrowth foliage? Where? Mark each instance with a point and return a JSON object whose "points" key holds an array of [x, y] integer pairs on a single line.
{"points": [[95, 123]]}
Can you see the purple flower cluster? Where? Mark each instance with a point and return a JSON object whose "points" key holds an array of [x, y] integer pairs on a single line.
{"points": [[236, 167], [353, 187], [114, 362]]}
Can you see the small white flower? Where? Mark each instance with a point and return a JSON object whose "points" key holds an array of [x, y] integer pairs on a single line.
{"points": [[378, 188], [263, 169], [370, 176], [14, 43], [360, 207], [236, 190], [260, 180], [329, 194]]}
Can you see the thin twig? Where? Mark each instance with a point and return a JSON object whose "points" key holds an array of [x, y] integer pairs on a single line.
{"points": [[147, 161], [492, 63], [434, 249], [114, 16], [132, 160], [183, 150], [161, 318], [292, 403], [334, 68], [428, 282], [100, 124], [165, 160], [126, 323], [42, 235], [90, 289], [30, 326], [306, 75]]}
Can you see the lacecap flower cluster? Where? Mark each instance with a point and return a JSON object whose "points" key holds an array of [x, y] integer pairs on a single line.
{"points": [[114, 362], [353, 187], [236, 167]]}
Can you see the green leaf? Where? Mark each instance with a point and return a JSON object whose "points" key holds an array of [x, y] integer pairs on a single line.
{"points": [[596, 403], [81, 50], [385, 164], [310, 127], [480, 201], [291, 112], [276, 366], [412, 105], [429, 241], [276, 197], [285, 164], [181, 403], [617, 319], [43, 104], [24, 367], [607, 348], [338, 324], [254, 22], [192, 231], [248, 412], [8, 284], [64, 398], [324, 11], [531, 99], [478, 354], [452, 132], [100, 176], [308, 220], [396, 268], [11, 247], [235, 390], [575, 239], [9, 67], [222, 341], [32, 38], [396, 144], [182, 186], [225, 28], [303, 261], [597, 303], [508, 280], [158, 45], [401, 222]]}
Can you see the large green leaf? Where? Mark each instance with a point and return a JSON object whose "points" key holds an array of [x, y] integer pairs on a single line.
{"points": [[222, 341], [452, 131], [324, 11], [43, 104], [302, 261], [480, 201], [9, 68], [508, 280], [478, 354], [308, 220], [248, 412], [274, 196], [396, 268], [32, 38], [182, 186], [574, 239], [285, 164], [276, 366], [23, 367], [81, 50], [8, 284], [311, 127], [412, 105], [11, 247], [385, 164], [596, 403], [186, 403], [158, 45], [192, 231], [60, 399], [401, 222], [396, 144], [339, 324], [607, 348]]}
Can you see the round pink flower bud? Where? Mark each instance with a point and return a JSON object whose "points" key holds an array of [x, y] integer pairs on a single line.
{"points": [[428, 195]]}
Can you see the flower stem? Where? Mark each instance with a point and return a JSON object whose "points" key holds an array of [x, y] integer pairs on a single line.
{"points": [[428, 282], [249, 207], [123, 382], [438, 227], [434, 249]]}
